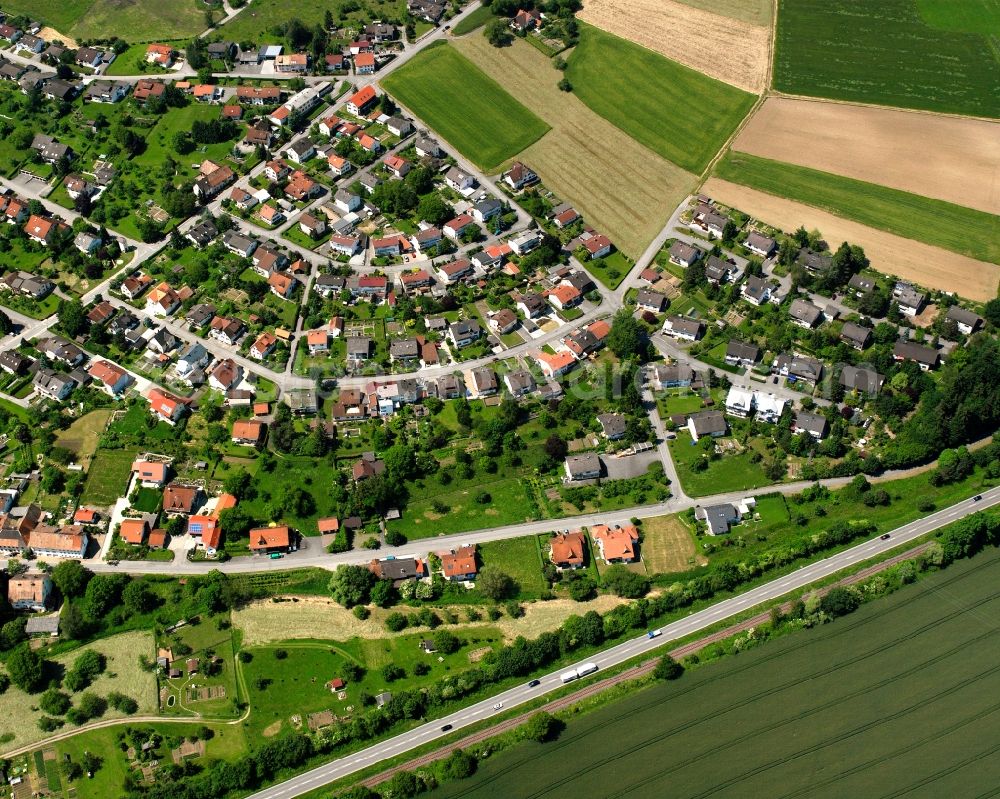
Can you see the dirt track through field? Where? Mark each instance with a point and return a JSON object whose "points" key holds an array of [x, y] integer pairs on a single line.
{"points": [[947, 158], [621, 188], [929, 266], [724, 48]]}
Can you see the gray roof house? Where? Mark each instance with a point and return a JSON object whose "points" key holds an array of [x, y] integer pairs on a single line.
{"points": [[858, 336], [583, 467], [805, 314], [612, 425], [717, 518], [707, 423], [812, 423], [864, 381]]}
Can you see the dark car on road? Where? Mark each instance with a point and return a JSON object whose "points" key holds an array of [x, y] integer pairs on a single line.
{"points": [[445, 728]]}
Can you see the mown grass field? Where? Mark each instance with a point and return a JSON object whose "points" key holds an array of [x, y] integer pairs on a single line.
{"points": [[941, 224], [467, 107], [133, 20], [81, 437], [668, 546], [517, 557], [898, 699], [731, 472], [885, 52], [107, 476], [261, 23], [673, 110], [19, 712], [475, 20]]}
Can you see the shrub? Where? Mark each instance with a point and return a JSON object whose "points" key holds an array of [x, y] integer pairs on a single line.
{"points": [[395, 622]]}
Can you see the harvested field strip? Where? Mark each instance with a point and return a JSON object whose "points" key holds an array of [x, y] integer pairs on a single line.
{"points": [[668, 546], [946, 158], [756, 12], [468, 108], [888, 698], [907, 259], [619, 186], [975, 234], [883, 52], [723, 48], [675, 111]]}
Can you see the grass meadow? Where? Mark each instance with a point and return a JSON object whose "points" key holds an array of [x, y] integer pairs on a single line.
{"points": [[519, 558], [941, 224], [673, 110], [897, 699], [261, 23], [133, 20], [891, 52], [468, 108], [107, 477]]}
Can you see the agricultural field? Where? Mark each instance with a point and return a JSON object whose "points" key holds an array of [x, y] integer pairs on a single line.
{"points": [[473, 21], [20, 713], [975, 234], [81, 437], [262, 23], [933, 156], [133, 20], [896, 699], [618, 185], [668, 546], [107, 477], [731, 50], [928, 266], [673, 110], [756, 12], [971, 16], [885, 52], [468, 108]]}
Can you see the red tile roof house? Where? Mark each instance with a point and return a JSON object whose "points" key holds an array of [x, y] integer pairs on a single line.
{"points": [[564, 296], [556, 365], [597, 246], [396, 165], [248, 432], [160, 54], [567, 550], [86, 516], [616, 544], [150, 474], [457, 226], [263, 346], [459, 566], [282, 285], [265, 540], [132, 531], [166, 406], [180, 499], [111, 377], [362, 100]]}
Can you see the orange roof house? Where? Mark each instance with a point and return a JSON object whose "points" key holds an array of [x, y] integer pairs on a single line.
{"points": [[151, 474], [566, 550], [86, 516], [459, 565], [328, 525], [157, 538], [616, 544], [166, 406], [180, 498], [248, 431], [556, 364], [270, 539], [132, 531]]}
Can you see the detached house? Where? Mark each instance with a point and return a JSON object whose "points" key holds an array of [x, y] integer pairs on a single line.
{"points": [[110, 377], [616, 544], [683, 328], [519, 176]]}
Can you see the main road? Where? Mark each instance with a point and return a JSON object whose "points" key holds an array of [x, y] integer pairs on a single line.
{"points": [[613, 656]]}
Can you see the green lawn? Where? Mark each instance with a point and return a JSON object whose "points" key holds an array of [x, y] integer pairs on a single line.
{"points": [[936, 55], [675, 111], [468, 108], [898, 699], [148, 500], [261, 24], [518, 558], [475, 20], [610, 270], [108, 476], [133, 20], [731, 472], [296, 684], [315, 476], [941, 224]]}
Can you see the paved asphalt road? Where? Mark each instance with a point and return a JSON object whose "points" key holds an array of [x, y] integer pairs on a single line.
{"points": [[693, 623]]}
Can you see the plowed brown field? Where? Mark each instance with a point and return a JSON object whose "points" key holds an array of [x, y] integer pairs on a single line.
{"points": [[725, 48], [911, 260], [947, 158]]}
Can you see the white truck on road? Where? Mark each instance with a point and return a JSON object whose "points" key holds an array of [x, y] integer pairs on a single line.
{"points": [[580, 671]]}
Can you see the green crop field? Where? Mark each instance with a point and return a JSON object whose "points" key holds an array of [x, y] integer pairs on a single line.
{"points": [[133, 20], [898, 699], [936, 222], [675, 111], [468, 108], [937, 55], [968, 16]]}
